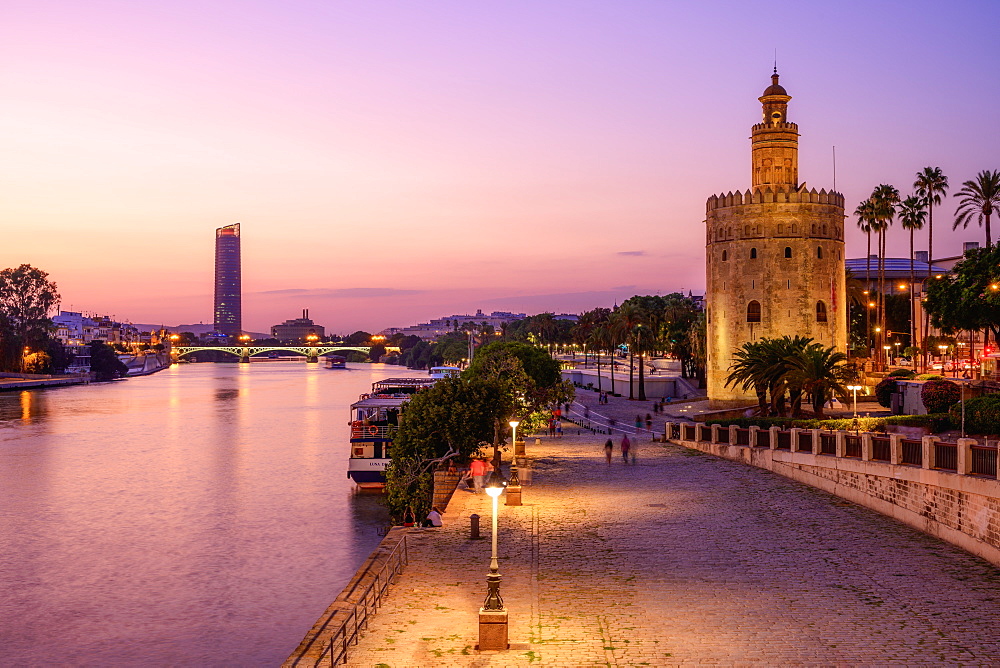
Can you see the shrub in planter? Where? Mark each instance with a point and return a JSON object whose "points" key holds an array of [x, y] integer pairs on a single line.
{"points": [[934, 422], [929, 376], [939, 395], [884, 391], [901, 374], [982, 414]]}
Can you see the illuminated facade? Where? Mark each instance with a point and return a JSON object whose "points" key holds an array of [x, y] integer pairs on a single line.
{"points": [[228, 294], [774, 254]]}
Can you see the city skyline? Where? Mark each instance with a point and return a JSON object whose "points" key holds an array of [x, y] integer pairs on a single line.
{"points": [[392, 162]]}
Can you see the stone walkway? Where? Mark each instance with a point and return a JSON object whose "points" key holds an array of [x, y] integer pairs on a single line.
{"points": [[681, 559]]}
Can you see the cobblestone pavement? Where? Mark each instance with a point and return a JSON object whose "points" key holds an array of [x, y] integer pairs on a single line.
{"points": [[683, 558]]}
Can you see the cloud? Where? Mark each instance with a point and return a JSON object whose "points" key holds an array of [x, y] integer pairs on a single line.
{"points": [[340, 293], [632, 253]]}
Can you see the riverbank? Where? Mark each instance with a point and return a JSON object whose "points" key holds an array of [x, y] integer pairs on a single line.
{"points": [[29, 381], [682, 558]]}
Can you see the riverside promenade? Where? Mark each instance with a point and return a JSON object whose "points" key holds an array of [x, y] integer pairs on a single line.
{"points": [[683, 558]]}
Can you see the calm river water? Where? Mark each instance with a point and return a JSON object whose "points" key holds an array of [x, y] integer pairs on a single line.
{"points": [[199, 516]]}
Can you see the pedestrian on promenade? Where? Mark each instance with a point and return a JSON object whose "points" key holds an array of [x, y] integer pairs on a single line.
{"points": [[552, 427], [649, 422], [478, 470], [609, 448], [612, 422], [433, 518], [638, 422], [626, 445], [558, 428]]}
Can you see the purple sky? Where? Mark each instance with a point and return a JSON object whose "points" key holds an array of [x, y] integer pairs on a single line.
{"points": [[391, 162]]}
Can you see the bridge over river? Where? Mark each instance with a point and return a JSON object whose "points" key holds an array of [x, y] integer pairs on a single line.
{"points": [[311, 353], [684, 558]]}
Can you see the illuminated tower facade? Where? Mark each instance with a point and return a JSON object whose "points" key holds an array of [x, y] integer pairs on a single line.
{"points": [[228, 294], [774, 254]]}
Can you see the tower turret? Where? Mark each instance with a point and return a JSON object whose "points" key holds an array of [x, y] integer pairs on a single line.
{"points": [[775, 141]]}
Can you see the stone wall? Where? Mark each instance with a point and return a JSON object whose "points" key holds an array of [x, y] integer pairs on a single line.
{"points": [[958, 507]]}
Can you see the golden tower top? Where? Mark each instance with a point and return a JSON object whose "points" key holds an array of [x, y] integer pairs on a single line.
{"points": [[775, 141]]}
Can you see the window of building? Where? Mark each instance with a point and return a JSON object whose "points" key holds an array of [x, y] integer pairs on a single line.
{"points": [[725, 255], [788, 251], [820, 312], [753, 253], [819, 252], [753, 311]]}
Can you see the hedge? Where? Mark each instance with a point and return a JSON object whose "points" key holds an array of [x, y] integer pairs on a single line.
{"points": [[939, 395], [936, 422], [982, 414], [884, 391]]}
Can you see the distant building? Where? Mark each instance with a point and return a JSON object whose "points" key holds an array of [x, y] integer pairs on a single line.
{"points": [[228, 293], [298, 329], [440, 326]]}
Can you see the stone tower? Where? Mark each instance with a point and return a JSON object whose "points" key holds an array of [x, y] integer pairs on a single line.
{"points": [[774, 254]]}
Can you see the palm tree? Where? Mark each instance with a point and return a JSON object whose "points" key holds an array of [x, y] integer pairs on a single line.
{"points": [[763, 365], [626, 319], [866, 216], [603, 339], [884, 200], [643, 341], [749, 371], [820, 372], [931, 185], [582, 329], [911, 217], [980, 199]]}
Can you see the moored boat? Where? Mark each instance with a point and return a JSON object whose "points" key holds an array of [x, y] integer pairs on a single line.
{"points": [[375, 417], [336, 362]]}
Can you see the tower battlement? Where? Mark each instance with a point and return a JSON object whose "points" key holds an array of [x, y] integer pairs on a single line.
{"points": [[775, 194], [761, 127]]}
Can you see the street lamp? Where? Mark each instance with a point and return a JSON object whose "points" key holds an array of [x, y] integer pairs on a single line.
{"points": [[854, 389], [513, 435], [493, 616]]}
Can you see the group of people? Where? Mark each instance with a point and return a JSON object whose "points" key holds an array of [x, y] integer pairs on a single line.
{"points": [[555, 427], [432, 521], [602, 398], [626, 450], [658, 405]]}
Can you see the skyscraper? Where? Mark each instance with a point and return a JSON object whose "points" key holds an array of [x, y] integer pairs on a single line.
{"points": [[228, 296]]}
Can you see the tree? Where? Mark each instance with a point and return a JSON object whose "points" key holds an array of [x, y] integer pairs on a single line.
{"points": [[969, 297], [884, 200], [819, 373], [376, 352], [543, 385], [358, 338], [911, 217], [624, 321], [931, 185], [865, 214], [979, 200], [26, 298], [104, 363]]}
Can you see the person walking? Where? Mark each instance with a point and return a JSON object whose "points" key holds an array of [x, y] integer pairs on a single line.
{"points": [[609, 448], [626, 446], [478, 470], [558, 428], [552, 427], [649, 422]]}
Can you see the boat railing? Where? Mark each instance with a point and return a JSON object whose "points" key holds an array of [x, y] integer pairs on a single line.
{"points": [[373, 431]]}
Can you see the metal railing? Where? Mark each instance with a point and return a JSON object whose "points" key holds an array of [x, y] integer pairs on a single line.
{"points": [[805, 441], [913, 452], [852, 446], [784, 440], [881, 450], [373, 431], [984, 460], [763, 439], [724, 435], [946, 456], [356, 618], [742, 436], [827, 444]]}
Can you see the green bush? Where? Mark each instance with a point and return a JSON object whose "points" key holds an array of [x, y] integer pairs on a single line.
{"points": [[901, 374], [982, 414], [884, 391], [936, 423], [928, 376], [939, 395]]}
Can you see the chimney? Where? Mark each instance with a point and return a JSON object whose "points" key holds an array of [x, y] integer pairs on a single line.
{"points": [[920, 256], [969, 245]]}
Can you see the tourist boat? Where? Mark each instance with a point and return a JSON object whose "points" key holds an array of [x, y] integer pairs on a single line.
{"points": [[336, 362], [375, 417], [437, 372]]}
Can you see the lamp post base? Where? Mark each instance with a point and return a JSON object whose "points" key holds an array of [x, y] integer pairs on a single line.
{"points": [[492, 630]]}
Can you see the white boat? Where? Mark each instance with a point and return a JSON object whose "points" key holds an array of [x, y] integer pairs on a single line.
{"points": [[375, 417], [444, 371]]}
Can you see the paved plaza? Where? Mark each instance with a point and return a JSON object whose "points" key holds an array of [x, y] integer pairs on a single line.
{"points": [[683, 558]]}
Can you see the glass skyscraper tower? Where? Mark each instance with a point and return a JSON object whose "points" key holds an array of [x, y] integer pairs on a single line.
{"points": [[228, 299]]}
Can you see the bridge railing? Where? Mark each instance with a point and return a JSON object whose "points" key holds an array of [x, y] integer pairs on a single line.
{"points": [[966, 457]]}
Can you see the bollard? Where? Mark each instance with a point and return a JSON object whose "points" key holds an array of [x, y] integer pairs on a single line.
{"points": [[474, 527]]}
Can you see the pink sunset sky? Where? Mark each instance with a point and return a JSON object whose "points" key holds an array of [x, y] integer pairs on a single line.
{"points": [[395, 161]]}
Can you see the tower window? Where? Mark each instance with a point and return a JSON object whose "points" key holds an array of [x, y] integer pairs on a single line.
{"points": [[753, 311], [820, 312], [753, 253], [725, 255], [746, 231], [819, 252], [788, 251]]}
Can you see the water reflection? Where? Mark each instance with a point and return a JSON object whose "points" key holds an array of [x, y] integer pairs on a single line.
{"points": [[199, 516]]}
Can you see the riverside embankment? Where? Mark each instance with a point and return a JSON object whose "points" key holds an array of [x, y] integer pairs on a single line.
{"points": [[683, 558]]}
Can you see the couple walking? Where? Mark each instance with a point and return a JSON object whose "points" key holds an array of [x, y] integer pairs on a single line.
{"points": [[626, 448]]}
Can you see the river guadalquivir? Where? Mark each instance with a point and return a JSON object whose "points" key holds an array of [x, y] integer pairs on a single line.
{"points": [[198, 516]]}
